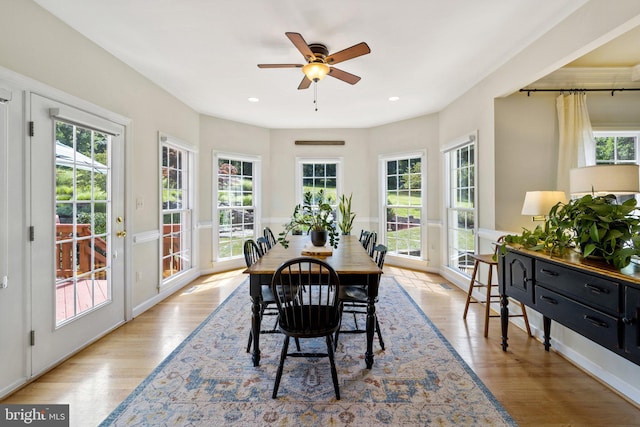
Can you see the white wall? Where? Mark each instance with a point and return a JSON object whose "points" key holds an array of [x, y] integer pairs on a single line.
{"points": [[591, 26], [229, 137], [35, 45], [279, 195], [420, 133]]}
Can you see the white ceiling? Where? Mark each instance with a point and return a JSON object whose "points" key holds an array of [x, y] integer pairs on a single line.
{"points": [[204, 52]]}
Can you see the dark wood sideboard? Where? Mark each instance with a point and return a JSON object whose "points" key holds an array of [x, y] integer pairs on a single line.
{"points": [[588, 297]]}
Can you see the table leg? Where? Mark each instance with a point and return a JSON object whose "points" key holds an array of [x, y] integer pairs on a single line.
{"points": [[546, 326], [371, 327], [504, 320], [256, 320]]}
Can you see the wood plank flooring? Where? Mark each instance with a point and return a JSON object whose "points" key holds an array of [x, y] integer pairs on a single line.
{"points": [[537, 388]]}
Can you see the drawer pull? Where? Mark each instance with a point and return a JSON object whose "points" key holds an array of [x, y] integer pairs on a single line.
{"points": [[548, 299], [596, 322], [549, 272], [596, 289], [628, 321]]}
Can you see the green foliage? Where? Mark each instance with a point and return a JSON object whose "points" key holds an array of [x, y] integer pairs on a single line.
{"points": [[315, 213], [595, 225], [99, 221], [346, 215]]}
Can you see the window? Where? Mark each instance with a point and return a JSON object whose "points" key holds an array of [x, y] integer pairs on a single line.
{"points": [[82, 174], [616, 147], [177, 207], [320, 174], [403, 204], [236, 203], [461, 205]]}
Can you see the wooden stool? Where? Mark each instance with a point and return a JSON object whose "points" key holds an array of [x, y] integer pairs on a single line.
{"points": [[489, 260]]}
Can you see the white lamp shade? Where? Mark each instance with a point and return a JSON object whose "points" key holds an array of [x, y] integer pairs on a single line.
{"points": [[537, 203], [605, 179]]}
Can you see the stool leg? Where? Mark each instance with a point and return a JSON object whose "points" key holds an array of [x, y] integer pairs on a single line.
{"points": [[526, 319], [473, 279], [487, 308]]}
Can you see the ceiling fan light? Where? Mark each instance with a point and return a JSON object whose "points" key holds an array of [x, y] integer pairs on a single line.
{"points": [[315, 71]]}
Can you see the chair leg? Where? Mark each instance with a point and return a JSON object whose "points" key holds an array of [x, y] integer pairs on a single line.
{"points": [[379, 333], [334, 371], [250, 340], [283, 355], [473, 280]]}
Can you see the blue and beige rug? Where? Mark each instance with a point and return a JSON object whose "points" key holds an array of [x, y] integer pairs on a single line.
{"points": [[209, 380]]}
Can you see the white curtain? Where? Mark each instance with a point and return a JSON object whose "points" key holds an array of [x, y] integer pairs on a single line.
{"points": [[577, 146]]}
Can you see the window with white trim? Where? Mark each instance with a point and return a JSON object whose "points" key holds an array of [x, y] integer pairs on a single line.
{"points": [[616, 147], [176, 177], [320, 174], [460, 164], [236, 203], [403, 203]]}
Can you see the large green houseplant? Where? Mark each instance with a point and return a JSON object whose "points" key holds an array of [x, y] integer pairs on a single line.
{"points": [[596, 226], [315, 215]]}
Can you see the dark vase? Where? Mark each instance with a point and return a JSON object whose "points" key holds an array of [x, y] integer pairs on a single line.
{"points": [[318, 238]]}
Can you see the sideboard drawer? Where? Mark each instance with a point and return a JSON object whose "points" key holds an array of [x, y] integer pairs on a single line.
{"points": [[597, 292], [590, 323]]}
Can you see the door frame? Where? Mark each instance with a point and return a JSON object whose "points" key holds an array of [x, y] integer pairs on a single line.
{"points": [[32, 87]]}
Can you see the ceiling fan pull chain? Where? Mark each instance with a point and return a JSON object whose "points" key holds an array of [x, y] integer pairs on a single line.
{"points": [[315, 94]]}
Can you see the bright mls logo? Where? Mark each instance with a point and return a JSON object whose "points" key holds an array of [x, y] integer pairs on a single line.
{"points": [[34, 415]]}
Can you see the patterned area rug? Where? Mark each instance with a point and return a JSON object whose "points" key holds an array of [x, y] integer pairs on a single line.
{"points": [[209, 380]]}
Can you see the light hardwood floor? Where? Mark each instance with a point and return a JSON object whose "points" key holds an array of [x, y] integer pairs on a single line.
{"points": [[537, 388]]}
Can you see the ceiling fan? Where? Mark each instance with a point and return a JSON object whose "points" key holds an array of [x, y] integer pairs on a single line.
{"points": [[319, 62]]}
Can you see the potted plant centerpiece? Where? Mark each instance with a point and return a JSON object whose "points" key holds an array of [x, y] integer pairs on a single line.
{"points": [[346, 215], [315, 215], [596, 226]]}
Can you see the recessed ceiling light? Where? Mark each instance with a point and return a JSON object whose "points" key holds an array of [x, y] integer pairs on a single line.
{"points": [[253, 99], [394, 98]]}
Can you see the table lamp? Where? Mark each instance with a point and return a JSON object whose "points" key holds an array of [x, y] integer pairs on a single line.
{"points": [[537, 204]]}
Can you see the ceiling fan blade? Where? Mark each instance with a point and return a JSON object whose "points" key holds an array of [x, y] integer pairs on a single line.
{"points": [[348, 53], [344, 76], [301, 45], [305, 83], [279, 65]]}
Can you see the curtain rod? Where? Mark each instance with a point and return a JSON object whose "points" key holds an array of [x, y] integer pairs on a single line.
{"points": [[577, 90]]}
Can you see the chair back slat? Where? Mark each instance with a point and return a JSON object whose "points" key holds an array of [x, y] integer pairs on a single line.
{"points": [[263, 244], [306, 292], [268, 234], [379, 253], [370, 242], [252, 252]]}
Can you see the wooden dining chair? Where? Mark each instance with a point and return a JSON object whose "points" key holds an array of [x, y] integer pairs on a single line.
{"points": [[306, 291], [268, 234], [370, 242], [354, 298], [252, 253], [263, 244]]}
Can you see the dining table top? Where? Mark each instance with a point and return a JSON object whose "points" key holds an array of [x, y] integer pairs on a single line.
{"points": [[350, 257]]}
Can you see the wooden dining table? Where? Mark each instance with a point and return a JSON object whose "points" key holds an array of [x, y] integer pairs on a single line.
{"points": [[350, 260]]}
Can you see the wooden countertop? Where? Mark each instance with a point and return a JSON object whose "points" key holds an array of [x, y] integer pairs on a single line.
{"points": [[630, 273]]}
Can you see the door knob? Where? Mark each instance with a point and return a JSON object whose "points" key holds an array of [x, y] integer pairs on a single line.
{"points": [[122, 233]]}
